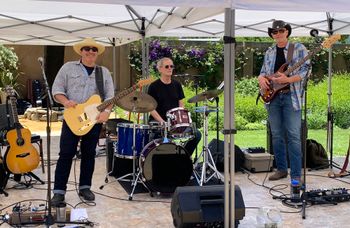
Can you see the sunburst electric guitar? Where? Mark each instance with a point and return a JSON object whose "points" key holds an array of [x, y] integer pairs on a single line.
{"points": [[81, 118], [22, 157], [269, 94]]}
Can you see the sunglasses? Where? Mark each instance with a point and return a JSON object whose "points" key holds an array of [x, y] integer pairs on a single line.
{"points": [[94, 49], [280, 31], [169, 66]]}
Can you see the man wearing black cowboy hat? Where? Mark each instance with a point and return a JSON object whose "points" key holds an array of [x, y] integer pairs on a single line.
{"points": [[284, 110], [74, 84]]}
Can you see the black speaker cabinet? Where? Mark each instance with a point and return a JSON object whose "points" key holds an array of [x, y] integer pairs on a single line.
{"points": [[193, 206]]}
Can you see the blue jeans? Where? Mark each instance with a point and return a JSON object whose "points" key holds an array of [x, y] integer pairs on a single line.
{"points": [[285, 121], [68, 149]]}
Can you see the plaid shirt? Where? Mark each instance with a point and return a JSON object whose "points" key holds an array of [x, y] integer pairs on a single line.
{"points": [[299, 53]]}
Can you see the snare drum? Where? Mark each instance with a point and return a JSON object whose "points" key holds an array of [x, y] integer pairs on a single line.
{"points": [[125, 139], [164, 166], [180, 123]]}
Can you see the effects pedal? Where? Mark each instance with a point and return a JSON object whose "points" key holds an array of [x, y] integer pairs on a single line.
{"points": [[327, 196]]}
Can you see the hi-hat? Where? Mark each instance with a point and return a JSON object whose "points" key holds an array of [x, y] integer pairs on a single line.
{"points": [[137, 102], [205, 95]]}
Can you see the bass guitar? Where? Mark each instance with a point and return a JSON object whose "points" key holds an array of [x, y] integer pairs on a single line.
{"points": [[269, 94], [21, 157], [81, 118]]}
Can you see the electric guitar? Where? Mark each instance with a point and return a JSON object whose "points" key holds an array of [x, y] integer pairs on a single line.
{"points": [[81, 118], [269, 94], [22, 157]]}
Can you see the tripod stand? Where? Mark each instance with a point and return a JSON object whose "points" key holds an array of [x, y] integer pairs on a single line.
{"points": [[202, 168], [136, 172]]}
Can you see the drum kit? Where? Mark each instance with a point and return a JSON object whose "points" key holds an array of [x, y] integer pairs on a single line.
{"points": [[162, 164]]}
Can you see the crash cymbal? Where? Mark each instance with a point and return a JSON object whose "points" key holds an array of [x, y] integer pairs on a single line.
{"points": [[205, 95], [137, 102]]}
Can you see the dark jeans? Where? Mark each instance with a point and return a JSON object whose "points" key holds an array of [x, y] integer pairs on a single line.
{"points": [[68, 148], [191, 145]]}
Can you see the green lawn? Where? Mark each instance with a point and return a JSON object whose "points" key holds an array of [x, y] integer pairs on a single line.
{"points": [[257, 138]]}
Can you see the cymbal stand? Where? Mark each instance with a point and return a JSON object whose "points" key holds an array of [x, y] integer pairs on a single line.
{"points": [[135, 176], [201, 169]]}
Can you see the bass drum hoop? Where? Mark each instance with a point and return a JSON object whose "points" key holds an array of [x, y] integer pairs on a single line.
{"points": [[167, 151]]}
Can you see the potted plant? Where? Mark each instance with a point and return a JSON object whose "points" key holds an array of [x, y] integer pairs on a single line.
{"points": [[9, 72]]}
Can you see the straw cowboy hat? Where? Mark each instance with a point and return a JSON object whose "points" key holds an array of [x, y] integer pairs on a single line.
{"points": [[278, 25], [88, 42]]}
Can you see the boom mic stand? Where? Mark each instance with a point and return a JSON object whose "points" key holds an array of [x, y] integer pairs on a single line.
{"points": [[49, 220], [49, 103], [304, 131]]}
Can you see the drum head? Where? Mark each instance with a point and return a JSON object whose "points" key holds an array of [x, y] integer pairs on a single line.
{"points": [[165, 166]]}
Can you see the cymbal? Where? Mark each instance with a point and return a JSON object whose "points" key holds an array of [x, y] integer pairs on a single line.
{"points": [[137, 102], [205, 95]]}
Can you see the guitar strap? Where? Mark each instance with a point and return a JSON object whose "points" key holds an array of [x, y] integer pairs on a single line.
{"points": [[290, 54], [99, 82]]}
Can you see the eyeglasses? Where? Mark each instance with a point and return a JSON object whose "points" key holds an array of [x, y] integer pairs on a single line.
{"points": [[280, 31], [169, 66], [94, 49]]}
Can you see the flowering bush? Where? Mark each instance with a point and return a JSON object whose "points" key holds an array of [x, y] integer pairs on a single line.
{"points": [[207, 60]]}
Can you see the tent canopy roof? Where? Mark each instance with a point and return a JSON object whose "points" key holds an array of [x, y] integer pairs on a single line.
{"points": [[64, 22]]}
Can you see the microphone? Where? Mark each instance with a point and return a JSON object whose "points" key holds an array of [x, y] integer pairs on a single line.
{"points": [[314, 33], [41, 60], [181, 75]]}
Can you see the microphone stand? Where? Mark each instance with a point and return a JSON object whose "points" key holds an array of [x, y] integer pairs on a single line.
{"points": [[304, 132], [49, 103]]}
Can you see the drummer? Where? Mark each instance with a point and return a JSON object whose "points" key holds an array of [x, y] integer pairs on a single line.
{"points": [[169, 94]]}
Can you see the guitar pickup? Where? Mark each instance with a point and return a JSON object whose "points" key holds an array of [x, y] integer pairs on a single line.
{"points": [[82, 117]]}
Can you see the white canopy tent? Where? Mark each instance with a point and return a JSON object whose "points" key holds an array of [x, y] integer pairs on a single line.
{"points": [[65, 22]]}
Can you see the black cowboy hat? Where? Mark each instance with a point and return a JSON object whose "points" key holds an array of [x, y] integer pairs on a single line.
{"points": [[278, 24]]}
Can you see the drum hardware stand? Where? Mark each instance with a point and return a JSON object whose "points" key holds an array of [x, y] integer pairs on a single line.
{"points": [[135, 176], [208, 161]]}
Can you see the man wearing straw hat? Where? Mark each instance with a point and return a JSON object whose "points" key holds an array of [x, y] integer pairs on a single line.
{"points": [[74, 84]]}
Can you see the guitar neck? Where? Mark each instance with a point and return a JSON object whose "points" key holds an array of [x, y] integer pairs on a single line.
{"points": [[14, 110], [298, 64], [123, 93]]}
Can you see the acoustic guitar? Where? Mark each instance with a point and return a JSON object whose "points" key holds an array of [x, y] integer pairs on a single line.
{"points": [[269, 94], [81, 118], [21, 157]]}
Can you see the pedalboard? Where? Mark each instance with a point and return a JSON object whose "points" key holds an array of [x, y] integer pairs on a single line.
{"points": [[328, 196]]}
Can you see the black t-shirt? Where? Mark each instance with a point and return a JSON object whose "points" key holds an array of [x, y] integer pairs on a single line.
{"points": [[280, 59], [166, 95]]}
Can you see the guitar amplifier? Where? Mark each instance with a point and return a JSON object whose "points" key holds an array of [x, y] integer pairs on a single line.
{"points": [[258, 162]]}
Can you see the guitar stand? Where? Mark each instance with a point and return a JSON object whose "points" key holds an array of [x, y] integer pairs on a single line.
{"points": [[34, 176]]}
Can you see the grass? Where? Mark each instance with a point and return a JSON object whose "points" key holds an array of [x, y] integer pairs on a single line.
{"points": [[257, 138]]}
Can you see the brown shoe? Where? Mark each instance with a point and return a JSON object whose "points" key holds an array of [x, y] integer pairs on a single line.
{"points": [[278, 175]]}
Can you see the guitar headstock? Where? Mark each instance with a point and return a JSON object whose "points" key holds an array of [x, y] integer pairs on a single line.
{"points": [[10, 91], [327, 43], [144, 82]]}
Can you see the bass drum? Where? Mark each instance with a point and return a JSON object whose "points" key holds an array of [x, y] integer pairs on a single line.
{"points": [[165, 166]]}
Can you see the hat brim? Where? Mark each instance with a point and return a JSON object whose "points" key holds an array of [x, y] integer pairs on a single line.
{"points": [[288, 27], [88, 43]]}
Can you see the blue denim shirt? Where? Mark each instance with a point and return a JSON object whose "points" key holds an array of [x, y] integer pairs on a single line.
{"points": [[296, 88], [73, 81]]}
